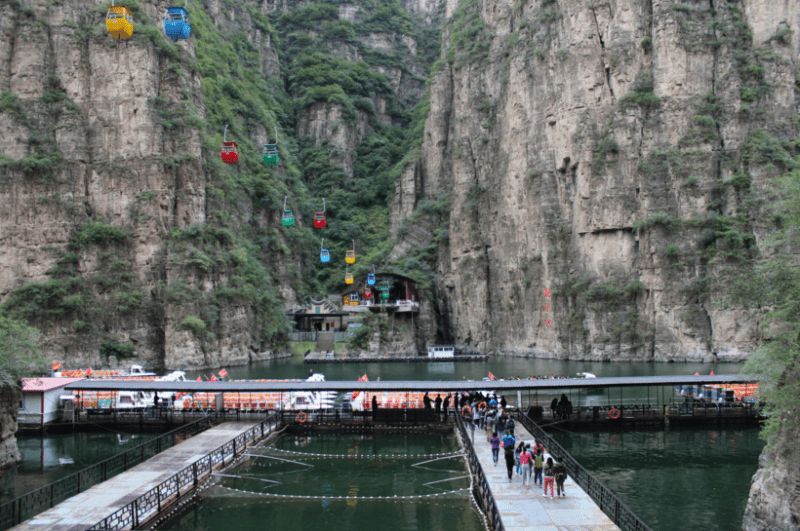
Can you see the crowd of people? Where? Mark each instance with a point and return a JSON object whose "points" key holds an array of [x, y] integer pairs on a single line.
{"points": [[528, 460]]}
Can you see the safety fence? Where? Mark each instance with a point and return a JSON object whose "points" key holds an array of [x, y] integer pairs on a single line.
{"points": [[151, 503], [482, 484], [34, 502], [338, 337], [621, 515]]}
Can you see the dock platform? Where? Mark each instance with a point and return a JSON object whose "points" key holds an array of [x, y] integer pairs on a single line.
{"points": [[86, 509], [526, 509]]}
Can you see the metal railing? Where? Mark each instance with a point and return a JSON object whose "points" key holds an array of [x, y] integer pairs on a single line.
{"points": [[36, 501], [152, 502], [490, 506], [619, 513], [338, 336]]}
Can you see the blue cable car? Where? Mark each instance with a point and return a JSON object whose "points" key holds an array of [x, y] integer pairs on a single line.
{"points": [[176, 23], [371, 277], [324, 254]]}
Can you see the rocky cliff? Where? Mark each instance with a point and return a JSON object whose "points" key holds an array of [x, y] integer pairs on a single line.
{"points": [[123, 237], [9, 405], [591, 172], [775, 493]]}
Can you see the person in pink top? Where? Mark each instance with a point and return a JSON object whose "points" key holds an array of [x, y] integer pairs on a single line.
{"points": [[526, 461]]}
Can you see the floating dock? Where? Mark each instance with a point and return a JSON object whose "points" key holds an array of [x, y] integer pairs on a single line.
{"points": [[526, 509], [322, 357], [85, 510]]}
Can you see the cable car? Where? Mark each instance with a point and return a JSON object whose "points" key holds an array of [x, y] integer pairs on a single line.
{"points": [[371, 277], [350, 256], [324, 254], [367, 292], [229, 151], [271, 157], [354, 297], [319, 217], [348, 277], [176, 23], [288, 216], [119, 22]]}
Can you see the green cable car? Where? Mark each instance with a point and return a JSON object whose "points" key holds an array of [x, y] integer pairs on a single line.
{"points": [[288, 215], [271, 157]]}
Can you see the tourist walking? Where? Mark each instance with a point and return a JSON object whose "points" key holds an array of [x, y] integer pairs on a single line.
{"points": [[501, 424], [446, 405], [538, 463], [517, 453], [560, 472], [509, 442], [549, 477], [526, 461], [438, 407], [510, 424], [494, 441]]}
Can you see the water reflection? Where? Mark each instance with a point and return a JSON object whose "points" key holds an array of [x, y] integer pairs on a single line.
{"points": [[669, 478]]}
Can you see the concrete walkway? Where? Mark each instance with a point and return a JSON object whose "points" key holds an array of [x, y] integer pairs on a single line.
{"points": [[84, 510], [526, 509]]}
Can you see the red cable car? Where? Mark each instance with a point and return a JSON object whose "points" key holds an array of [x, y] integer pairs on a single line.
{"points": [[367, 292], [319, 217], [229, 151]]}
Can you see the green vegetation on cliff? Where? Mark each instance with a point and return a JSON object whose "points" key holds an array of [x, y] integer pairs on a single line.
{"points": [[19, 351]]}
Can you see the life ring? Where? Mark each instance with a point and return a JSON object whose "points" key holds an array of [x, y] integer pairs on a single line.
{"points": [[466, 411], [302, 417], [303, 441], [614, 414]]}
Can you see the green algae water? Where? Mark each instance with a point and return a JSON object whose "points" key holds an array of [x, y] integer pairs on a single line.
{"points": [[420, 468], [674, 479]]}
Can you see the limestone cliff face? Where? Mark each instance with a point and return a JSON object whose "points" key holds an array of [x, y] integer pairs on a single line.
{"points": [[775, 493], [602, 165], [102, 160], [9, 405]]}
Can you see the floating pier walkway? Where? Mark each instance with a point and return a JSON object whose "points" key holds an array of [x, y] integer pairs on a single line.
{"points": [[526, 509], [141, 493]]}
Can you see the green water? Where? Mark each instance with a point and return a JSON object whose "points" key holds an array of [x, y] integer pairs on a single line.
{"points": [[470, 370], [697, 479], [363, 466], [669, 479], [53, 456]]}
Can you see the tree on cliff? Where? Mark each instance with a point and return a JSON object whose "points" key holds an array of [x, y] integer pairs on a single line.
{"points": [[774, 287], [19, 351]]}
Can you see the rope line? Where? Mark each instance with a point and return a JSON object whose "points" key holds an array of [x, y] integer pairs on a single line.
{"points": [[366, 456], [299, 497]]}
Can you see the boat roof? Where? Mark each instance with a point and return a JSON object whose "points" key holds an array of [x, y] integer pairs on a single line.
{"points": [[410, 385], [45, 384]]}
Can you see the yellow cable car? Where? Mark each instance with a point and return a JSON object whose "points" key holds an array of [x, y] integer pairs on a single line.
{"points": [[350, 256], [348, 277], [119, 22]]}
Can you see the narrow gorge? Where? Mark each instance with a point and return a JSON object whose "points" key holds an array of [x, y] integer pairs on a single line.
{"points": [[570, 179]]}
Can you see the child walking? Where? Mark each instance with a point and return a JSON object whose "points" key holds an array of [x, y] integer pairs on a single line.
{"points": [[561, 474], [495, 442], [549, 478], [538, 463]]}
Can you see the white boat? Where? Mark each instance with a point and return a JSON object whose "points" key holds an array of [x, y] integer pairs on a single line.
{"points": [[441, 351]]}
